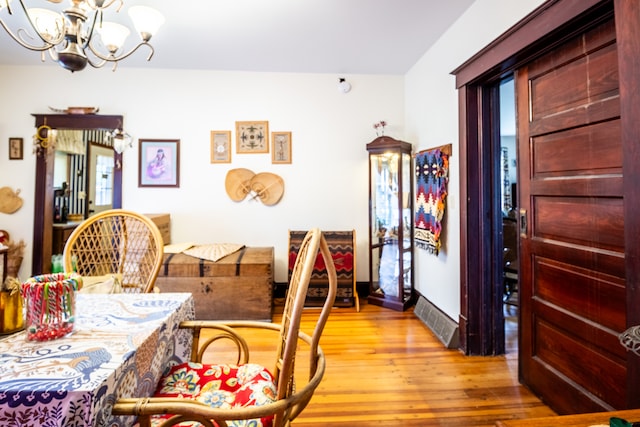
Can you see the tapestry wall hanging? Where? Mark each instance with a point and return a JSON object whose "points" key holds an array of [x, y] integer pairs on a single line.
{"points": [[432, 177]]}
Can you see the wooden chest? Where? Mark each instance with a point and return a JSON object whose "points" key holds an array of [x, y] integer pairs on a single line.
{"points": [[163, 222], [236, 287]]}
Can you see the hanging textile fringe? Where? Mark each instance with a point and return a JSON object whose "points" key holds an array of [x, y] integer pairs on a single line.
{"points": [[432, 176]]}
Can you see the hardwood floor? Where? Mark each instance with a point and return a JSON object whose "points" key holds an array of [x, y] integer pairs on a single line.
{"points": [[386, 369]]}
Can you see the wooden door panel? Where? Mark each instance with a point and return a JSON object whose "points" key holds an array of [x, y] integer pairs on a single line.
{"points": [[592, 297], [573, 361], [590, 74], [598, 337], [598, 146], [575, 84], [603, 187], [572, 272], [594, 40], [592, 113], [598, 262], [596, 222]]}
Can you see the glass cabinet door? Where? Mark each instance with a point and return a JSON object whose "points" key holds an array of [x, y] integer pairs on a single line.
{"points": [[384, 240], [390, 202]]}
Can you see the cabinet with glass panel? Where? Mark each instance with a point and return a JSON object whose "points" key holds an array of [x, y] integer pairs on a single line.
{"points": [[390, 223]]}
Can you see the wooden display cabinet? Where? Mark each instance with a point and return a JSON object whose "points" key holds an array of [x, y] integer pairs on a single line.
{"points": [[390, 223]]}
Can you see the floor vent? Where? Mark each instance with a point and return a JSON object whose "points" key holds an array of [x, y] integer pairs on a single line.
{"points": [[440, 324]]}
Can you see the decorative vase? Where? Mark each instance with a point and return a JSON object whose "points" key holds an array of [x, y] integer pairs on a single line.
{"points": [[11, 315]]}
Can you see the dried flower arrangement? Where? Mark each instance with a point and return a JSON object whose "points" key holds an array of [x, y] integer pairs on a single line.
{"points": [[11, 318], [15, 255], [379, 127]]}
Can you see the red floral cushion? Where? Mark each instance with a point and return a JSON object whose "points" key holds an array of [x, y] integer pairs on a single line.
{"points": [[219, 386]]}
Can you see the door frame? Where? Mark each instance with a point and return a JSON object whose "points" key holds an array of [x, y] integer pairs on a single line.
{"points": [[481, 307], [43, 194], [550, 24], [93, 151]]}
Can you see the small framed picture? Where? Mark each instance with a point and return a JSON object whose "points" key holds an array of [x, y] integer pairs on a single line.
{"points": [[220, 146], [159, 163], [252, 137], [280, 147], [16, 149]]}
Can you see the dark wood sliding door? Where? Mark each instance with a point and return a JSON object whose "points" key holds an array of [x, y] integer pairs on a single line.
{"points": [[572, 260], [577, 71]]}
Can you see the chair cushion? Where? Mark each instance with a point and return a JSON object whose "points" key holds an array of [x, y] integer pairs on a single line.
{"points": [[219, 386]]}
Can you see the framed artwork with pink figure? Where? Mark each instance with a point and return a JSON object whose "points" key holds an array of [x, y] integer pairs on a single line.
{"points": [[159, 163]]}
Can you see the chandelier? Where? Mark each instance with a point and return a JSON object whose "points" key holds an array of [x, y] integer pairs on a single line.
{"points": [[70, 35]]}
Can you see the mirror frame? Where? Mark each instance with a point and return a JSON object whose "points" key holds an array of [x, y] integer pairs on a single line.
{"points": [[43, 205]]}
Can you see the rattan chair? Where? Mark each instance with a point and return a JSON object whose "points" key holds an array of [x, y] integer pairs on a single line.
{"points": [[117, 241], [188, 400]]}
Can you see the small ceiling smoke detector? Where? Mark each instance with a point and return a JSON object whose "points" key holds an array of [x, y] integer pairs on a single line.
{"points": [[343, 85]]}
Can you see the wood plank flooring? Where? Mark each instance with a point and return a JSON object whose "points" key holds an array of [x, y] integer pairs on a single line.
{"points": [[386, 369]]}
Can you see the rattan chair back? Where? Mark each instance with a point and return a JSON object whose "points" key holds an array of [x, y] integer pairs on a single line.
{"points": [[117, 241], [290, 400]]}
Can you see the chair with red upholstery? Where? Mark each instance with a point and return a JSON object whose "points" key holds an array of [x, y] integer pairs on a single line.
{"points": [[244, 393]]}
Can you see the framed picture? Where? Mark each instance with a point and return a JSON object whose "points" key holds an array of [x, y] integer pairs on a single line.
{"points": [[16, 149], [159, 163], [280, 147], [220, 146], [252, 137]]}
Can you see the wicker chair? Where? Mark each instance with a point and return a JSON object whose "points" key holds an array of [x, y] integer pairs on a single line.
{"points": [[117, 241], [283, 402]]}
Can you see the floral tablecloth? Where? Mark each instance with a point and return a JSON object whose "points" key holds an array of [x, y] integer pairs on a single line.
{"points": [[120, 345]]}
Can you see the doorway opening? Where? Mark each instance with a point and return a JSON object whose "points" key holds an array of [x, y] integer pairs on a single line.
{"points": [[508, 200]]}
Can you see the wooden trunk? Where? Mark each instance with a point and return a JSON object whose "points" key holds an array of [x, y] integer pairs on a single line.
{"points": [[163, 222], [236, 287]]}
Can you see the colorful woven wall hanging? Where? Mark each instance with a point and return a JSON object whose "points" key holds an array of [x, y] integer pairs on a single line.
{"points": [[432, 177]]}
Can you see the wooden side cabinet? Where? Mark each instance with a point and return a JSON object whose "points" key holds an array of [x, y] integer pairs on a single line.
{"points": [[61, 233], [390, 223]]}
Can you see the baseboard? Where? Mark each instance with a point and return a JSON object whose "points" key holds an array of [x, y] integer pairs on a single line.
{"points": [[445, 328]]}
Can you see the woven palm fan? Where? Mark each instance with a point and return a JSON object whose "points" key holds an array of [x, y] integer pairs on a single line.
{"points": [[10, 201], [268, 187], [237, 183]]}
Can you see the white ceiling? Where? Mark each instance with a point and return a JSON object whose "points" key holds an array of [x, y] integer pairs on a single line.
{"points": [[299, 36]]}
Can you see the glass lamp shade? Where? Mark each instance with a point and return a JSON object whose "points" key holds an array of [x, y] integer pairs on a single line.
{"points": [[113, 35], [146, 20], [120, 140], [49, 24]]}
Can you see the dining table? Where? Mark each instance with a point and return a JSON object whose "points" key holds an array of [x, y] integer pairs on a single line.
{"points": [[119, 347]]}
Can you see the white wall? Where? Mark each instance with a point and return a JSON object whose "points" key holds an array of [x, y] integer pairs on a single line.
{"points": [[325, 186], [432, 120]]}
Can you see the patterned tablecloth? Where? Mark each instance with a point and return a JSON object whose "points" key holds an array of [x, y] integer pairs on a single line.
{"points": [[119, 347]]}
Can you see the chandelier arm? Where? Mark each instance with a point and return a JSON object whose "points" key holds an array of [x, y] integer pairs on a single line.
{"points": [[113, 58], [107, 5], [89, 35], [119, 6], [97, 64], [22, 42]]}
